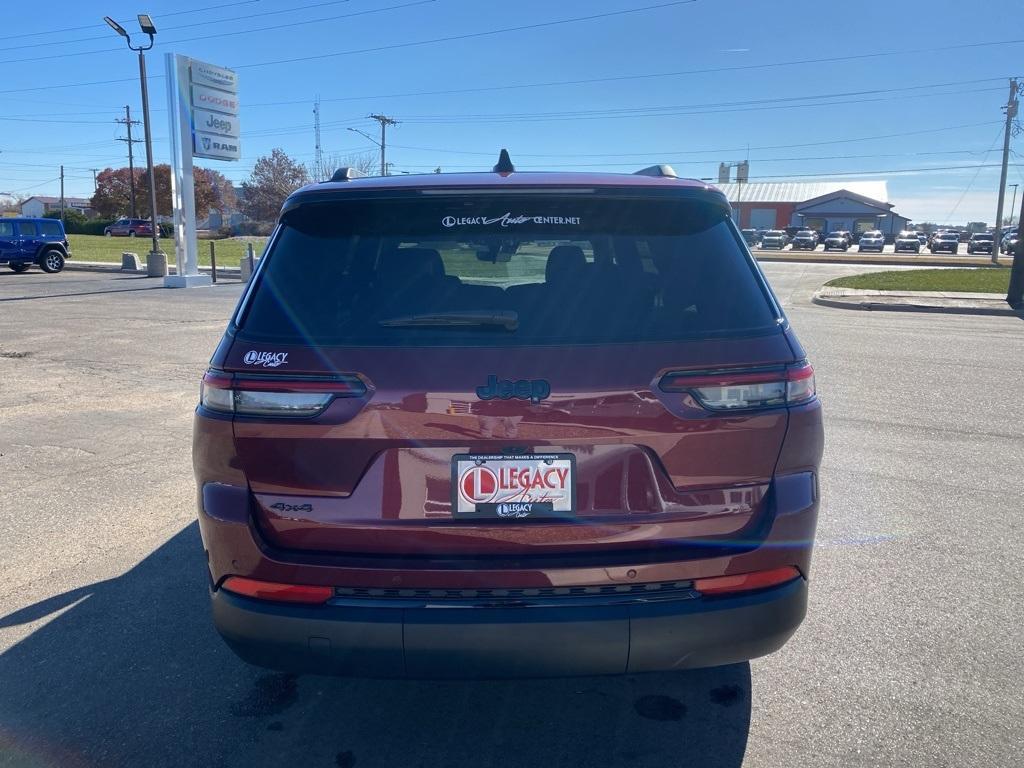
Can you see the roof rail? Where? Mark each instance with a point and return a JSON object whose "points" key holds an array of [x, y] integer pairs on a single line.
{"points": [[666, 171], [347, 173]]}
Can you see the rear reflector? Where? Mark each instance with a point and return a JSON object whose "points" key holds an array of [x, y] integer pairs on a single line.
{"points": [[745, 582], [280, 593], [275, 395], [745, 388]]}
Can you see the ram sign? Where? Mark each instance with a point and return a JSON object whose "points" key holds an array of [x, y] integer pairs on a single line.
{"points": [[214, 111]]}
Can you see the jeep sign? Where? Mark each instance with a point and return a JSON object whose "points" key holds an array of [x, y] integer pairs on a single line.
{"points": [[214, 122]]}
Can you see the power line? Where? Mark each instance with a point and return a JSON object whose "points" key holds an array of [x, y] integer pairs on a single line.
{"points": [[719, 151], [648, 112], [394, 46], [956, 206], [221, 35], [203, 23], [711, 70], [590, 81], [202, 9]]}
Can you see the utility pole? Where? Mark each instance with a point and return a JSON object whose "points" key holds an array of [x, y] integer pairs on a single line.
{"points": [[318, 155], [128, 122], [384, 121], [62, 194], [1011, 113], [95, 186], [1015, 293]]}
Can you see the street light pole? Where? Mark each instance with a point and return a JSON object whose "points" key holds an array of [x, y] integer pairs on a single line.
{"points": [[155, 227], [148, 28]]}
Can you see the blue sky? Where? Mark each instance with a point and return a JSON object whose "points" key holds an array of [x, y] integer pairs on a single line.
{"points": [[691, 84]]}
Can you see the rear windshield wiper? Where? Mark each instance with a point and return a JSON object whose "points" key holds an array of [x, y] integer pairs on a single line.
{"points": [[507, 319]]}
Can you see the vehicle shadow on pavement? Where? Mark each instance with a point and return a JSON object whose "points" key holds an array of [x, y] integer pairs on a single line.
{"points": [[130, 671]]}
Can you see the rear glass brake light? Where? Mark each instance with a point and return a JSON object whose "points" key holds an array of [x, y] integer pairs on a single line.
{"points": [[275, 396], [745, 389]]}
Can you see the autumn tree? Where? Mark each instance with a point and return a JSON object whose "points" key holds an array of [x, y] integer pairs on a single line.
{"points": [[113, 192], [162, 173], [273, 178], [222, 191]]}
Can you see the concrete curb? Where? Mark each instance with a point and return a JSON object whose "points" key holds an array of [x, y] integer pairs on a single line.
{"points": [[109, 266], [838, 302]]}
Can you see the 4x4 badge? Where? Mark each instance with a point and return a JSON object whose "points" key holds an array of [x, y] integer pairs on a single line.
{"points": [[533, 390]]}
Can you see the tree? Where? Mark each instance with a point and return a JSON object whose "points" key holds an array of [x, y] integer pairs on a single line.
{"points": [[74, 220], [203, 192], [222, 190], [365, 162], [113, 192], [273, 178]]}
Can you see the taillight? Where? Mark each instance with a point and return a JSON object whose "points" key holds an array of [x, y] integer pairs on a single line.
{"points": [[745, 388], [276, 592], [275, 395], [746, 582]]}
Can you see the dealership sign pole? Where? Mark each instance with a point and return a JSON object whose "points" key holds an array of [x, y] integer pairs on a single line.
{"points": [[202, 101]]}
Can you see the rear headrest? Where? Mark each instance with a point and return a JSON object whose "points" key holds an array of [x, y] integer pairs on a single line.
{"points": [[407, 264], [565, 263]]}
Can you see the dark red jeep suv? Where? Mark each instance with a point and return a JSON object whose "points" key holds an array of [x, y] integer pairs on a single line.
{"points": [[507, 424]]}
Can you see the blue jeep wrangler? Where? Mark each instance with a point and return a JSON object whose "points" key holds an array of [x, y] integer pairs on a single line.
{"points": [[24, 242]]}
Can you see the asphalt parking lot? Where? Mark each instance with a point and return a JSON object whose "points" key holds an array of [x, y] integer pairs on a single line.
{"points": [[911, 655]]}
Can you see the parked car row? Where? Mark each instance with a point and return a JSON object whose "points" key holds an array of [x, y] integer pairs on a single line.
{"points": [[941, 241]]}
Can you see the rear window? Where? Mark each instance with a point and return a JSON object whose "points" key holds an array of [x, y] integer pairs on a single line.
{"points": [[505, 270], [50, 228]]}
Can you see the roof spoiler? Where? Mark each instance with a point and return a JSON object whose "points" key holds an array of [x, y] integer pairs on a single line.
{"points": [[347, 173], [664, 171]]}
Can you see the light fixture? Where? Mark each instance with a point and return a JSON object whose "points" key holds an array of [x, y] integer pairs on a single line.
{"points": [[115, 26], [146, 24]]}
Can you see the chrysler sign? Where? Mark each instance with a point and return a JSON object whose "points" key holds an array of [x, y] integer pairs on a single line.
{"points": [[214, 111]]}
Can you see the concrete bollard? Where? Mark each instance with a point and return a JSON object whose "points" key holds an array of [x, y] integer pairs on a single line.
{"points": [[130, 262], [156, 264], [246, 267]]}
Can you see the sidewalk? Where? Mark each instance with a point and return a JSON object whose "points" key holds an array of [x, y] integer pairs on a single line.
{"points": [[881, 259], [916, 301]]}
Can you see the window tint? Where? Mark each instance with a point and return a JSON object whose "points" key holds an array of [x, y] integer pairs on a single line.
{"points": [[50, 228], [565, 270], [6, 229], [27, 228]]}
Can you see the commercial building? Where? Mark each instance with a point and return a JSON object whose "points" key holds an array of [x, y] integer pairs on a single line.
{"points": [[857, 206], [38, 206]]}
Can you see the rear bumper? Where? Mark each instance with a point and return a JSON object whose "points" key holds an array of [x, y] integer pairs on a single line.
{"points": [[345, 638]]}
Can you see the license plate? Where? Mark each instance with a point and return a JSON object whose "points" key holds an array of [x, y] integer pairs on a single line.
{"points": [[514, 487]]}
